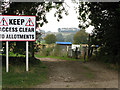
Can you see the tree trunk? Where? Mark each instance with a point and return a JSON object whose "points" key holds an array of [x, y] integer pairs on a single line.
{"points": [[91, 52], [89, 46]]}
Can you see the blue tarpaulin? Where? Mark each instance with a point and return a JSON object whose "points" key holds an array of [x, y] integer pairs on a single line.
{"points": [[64, 43]]}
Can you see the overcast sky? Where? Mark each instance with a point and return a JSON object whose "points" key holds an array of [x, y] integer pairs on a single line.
{"points": [[68, 21]]}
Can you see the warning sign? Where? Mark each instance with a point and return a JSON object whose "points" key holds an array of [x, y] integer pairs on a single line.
{"points": [[29, 23], [17, 28], [3, 22]]}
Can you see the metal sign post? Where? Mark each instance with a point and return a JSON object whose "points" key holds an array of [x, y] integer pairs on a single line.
{"points": [[26, 55], [7, 66]]}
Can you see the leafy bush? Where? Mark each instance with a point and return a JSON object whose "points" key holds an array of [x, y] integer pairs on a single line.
{"points": [[45, 51], [19, 60], [56, 51], [52, 51]]}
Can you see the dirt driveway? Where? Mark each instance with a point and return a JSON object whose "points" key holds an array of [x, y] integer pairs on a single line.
{"points": [[76, 74]]}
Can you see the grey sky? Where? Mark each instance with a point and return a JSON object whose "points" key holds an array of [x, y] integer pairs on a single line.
{"points": [[66, 22]]}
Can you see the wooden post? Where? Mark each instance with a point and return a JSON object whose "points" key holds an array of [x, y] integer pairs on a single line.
{"points": [[89, 46]]}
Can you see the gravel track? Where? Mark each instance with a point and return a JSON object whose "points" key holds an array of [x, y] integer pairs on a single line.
{"points": [[76, 74]]}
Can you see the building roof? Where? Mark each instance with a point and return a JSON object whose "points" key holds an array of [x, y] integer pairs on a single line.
{"points": [[64, 43]]}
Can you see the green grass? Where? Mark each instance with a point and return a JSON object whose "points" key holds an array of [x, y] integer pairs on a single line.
{"points": [[17, 77], [11, 54], [58, 57], [89, 75], [19, 55]]}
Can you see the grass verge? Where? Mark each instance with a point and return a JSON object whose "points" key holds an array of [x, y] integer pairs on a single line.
{"points": [[17, 77], [58, 57]]}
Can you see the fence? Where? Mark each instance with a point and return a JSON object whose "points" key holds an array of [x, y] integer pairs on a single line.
{"points": [[78, 51]]}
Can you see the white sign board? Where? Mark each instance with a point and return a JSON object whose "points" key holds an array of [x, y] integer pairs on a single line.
{"points": [[17, 28]]}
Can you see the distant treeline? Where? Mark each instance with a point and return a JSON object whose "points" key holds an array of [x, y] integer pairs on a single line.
{"points": [[68, 30]]}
